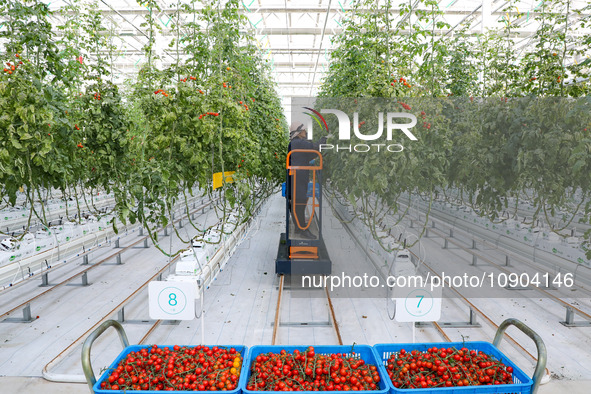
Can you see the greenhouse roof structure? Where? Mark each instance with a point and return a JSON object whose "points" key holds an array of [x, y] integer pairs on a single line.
{"points": [[295, 36]]}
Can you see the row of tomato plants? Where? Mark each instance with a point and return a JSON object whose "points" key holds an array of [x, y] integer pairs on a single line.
{"points": [[70, 127], [492, 122]]}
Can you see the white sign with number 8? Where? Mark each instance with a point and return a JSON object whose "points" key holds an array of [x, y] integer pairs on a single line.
{"points": [[172, 300]]}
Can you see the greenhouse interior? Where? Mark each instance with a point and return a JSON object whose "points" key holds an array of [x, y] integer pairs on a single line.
{"points": [[385, 196]]}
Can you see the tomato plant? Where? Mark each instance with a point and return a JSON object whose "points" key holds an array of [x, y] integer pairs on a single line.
{"points": [[70, 128]]}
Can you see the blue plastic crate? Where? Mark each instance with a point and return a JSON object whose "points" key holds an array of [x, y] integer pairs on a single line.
{"points": [[134, 348], [283, 189], [522, 383], [363, 352]]}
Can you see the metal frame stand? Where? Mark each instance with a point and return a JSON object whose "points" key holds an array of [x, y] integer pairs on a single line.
{"points": [[27, 317], [570, 319], [472, 323]]}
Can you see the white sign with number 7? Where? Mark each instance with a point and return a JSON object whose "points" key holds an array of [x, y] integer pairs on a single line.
{"points": [[417, 303]]}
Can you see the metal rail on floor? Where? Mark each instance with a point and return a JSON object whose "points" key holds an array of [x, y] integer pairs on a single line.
{"points": [[277, 319], [79, 378], [571, 311], [278, 309], [509, 251]]}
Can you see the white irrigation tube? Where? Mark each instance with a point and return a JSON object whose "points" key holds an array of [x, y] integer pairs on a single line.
{"points": [[202, 316]]}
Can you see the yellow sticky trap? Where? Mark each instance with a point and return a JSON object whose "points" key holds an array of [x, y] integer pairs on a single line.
{"points": [[218, 179]]}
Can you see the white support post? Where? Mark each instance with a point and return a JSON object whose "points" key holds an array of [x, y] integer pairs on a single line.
{"points": [[486, 14]]}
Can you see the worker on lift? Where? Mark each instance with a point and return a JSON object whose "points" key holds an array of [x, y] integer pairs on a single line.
{"points": [[298, 140]]}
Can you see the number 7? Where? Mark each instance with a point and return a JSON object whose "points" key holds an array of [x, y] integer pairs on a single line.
{"points": [[421, 299]]}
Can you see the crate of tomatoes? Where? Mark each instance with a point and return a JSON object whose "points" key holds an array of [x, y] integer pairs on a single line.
{"points": [[476, 367], [313, 368], [182, 369], [459, 367]]}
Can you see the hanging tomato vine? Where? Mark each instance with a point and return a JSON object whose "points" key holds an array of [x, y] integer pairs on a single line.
{"points": [[496, 121], [71, 128]]}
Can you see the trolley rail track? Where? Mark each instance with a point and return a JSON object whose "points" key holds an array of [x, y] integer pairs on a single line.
{"points": [[64, 352], [507, 250], [277, 319]]}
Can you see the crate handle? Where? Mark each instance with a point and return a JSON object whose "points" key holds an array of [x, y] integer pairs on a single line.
{"points": [[86, 365], [542, 354]]}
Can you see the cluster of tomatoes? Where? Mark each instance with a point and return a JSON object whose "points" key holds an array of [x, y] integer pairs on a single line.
{"points": [[97, 96], [199, 368], [10, 68], [446, 368], [209, 113], [307, 371], [425, 124], [244, 105], [405, 106], [192, 78], [161, 91], [402, 81]]}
